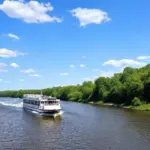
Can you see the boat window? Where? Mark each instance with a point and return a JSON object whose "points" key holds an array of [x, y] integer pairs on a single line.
{"points": [[42, 102]]}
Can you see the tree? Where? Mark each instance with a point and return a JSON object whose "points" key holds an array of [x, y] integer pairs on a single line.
{"points": [[87, 89], [75, 96], [147, 90], [103, 85], [136, 101], [134, 89]]}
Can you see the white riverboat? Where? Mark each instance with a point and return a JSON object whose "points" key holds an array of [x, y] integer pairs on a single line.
{"points": [[41, 104]]}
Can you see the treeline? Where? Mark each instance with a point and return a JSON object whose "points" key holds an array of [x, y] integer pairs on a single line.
{"points": [[18, 94], [130, 87]]}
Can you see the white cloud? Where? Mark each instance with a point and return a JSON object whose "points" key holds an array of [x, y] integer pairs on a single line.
{"points": [[5, 53], [83, 57], [30, 70], [87, 79], [56, 85], [30, 12], [143, 58], [72, 66], [107, 73], [14, 65], [82, 65], [94, 77], [3, 65], [90, 16], [95, 70], [13, 36], [3, 70], [21, 80], [7, 81], [102, 74], [35, 75], [64, 74], [123, 63]]}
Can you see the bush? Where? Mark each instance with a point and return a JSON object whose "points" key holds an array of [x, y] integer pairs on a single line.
{"points": [[136, 102]]}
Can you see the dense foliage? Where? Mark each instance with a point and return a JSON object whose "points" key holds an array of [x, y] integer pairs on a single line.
{"points": [[136, 102], [130, 87]]}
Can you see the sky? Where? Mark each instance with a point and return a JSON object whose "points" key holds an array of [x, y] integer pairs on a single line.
{"points": [[49, 43]]}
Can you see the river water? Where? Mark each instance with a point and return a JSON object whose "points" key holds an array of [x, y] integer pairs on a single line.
{"points": [[81, 126]]}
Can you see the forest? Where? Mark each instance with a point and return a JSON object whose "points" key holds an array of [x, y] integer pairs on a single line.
{"points": [[131, 87]]}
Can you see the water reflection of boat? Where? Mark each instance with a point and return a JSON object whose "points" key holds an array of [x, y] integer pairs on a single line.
{"points": [[45, 105]]}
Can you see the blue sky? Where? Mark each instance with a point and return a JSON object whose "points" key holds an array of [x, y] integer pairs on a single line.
{"points": [[49, 43]]}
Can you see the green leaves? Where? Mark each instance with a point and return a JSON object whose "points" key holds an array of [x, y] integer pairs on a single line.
{"points": [[124, 88], [136, 102], [75, 96]]}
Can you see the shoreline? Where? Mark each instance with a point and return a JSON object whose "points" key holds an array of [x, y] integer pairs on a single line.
{"points": [[143, 107]]}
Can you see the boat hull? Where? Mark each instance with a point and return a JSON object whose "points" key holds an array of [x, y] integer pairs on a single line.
{"points": [[43, 112]]}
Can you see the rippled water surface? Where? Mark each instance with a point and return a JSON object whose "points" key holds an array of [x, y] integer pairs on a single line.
{"points": [[81, 126]]}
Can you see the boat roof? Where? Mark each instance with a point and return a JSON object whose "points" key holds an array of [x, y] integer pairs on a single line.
{"points": [[40, 97]]}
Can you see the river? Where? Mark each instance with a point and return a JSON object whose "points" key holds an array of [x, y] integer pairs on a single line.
{"points": [[81, 126]]}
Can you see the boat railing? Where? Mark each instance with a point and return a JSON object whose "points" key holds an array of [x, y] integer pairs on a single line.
{"points": [[40, 97]]}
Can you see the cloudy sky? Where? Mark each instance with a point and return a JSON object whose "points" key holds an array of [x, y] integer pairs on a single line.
{"points": [[49, 43]]}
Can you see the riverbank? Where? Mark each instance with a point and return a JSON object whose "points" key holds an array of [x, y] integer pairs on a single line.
{"points": [[143, 107]]}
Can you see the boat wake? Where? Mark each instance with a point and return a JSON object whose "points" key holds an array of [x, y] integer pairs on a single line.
{"points": [[12, 105], [9, 102], [47, 114]]}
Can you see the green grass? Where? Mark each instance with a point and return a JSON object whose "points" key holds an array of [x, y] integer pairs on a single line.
{"points": [[96, 103], [145, 107]]}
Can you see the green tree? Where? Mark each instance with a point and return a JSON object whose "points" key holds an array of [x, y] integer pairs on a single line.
{"points": [[136, 101], [75, 96], [87, 89]]}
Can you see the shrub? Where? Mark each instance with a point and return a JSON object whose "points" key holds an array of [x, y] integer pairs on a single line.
{"points": [[136, 101]]}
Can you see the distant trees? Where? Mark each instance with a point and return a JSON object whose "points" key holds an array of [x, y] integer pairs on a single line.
{"points": [[131, 87]]}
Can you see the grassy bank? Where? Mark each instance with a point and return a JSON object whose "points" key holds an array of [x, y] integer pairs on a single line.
{"points": [[143, 107]]}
